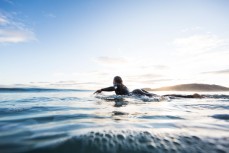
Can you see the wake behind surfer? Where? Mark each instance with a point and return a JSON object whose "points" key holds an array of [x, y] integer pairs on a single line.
{"points": [[121, 89]]}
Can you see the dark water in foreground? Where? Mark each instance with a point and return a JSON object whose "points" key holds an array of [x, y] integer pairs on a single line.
{"points": [[77, 121]]}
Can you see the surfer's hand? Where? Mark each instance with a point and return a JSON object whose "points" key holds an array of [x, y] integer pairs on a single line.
{"points": [[98, 91]]}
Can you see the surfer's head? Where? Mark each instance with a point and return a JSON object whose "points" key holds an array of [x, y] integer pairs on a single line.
{"points": [[117, 80]]}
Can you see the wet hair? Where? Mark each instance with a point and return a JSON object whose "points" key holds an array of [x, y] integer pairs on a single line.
{"points": [[118, 79]]}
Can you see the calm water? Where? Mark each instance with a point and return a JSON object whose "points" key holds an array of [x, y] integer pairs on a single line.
{"points": [[78, 121]]}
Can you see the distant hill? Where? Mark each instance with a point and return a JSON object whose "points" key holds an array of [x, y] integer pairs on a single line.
{"points": [[191, 87]]}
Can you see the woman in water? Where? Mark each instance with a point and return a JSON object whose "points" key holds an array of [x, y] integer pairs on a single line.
{"points": [[121, 89]]}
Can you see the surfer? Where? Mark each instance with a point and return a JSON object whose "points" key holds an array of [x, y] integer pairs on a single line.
{"points": [[121, 89]]}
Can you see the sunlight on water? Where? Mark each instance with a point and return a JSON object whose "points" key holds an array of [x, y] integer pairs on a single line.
{"points": [[57, 121]]}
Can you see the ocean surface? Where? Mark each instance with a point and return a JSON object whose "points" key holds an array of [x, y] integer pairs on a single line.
{"points": [[76, 121]]}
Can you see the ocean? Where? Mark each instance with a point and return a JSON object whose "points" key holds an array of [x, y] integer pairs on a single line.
{"points": [[76, 121]]}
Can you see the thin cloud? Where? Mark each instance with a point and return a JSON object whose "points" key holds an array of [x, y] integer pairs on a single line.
{"points": [[50, 15], [58, 84], [150, 75], [39, 82], [226, 71], [9, 2], [12, 31], [198, 43], [3, 20], [23, 85], [15, 36], [159, 67], [193, 29], [73, 84], [143, 77], [154, 81], [111, 60]]}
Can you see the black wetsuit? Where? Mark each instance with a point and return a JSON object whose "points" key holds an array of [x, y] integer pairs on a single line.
{"points": [[121, 89]]}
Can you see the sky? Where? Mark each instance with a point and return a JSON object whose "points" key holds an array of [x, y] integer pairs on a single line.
{"points": [[83, 44]]}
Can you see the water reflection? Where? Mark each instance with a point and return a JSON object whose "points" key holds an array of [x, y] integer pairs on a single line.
{"points": [[118, 113], [119, 103]]}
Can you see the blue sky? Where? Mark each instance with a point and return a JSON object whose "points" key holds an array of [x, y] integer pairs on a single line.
{"points": [[84, 44]]}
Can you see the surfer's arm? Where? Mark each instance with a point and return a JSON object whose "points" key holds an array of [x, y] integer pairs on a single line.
{"points": [[105, 89], [108, 89]]}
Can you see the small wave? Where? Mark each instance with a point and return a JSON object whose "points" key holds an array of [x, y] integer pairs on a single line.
{"points": [[135, 142], [35, 99], [160, 117], [207, 106], [217, 96], [33, 109], [43, 99], [40, 90], [13, 110], [132, 98], [221, 116], [110, 97], [50, 118]]}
